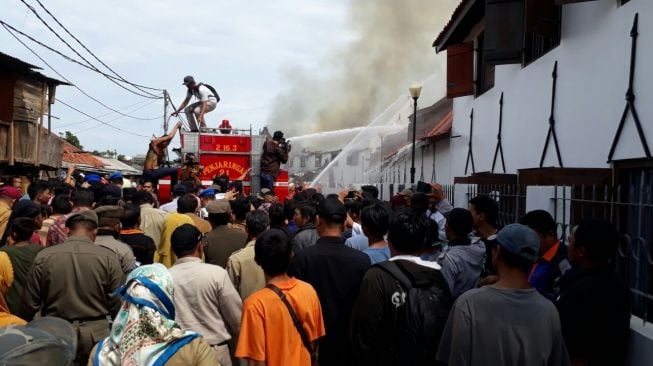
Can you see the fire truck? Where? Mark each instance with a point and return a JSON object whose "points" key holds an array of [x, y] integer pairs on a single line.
{"points": [[231, 154]]}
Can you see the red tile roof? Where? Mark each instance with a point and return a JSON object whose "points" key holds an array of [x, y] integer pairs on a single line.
{"points": [[73, 155]]}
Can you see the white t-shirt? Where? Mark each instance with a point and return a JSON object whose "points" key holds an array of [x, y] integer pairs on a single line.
{"points": [[202, 93]]}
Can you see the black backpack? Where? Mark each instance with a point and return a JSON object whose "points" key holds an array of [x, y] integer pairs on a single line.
{"points": [[212, 89], [422, 317]]}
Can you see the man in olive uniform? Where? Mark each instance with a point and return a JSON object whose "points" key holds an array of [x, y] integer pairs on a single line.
{"points": [[108, 230], [75, 281]]}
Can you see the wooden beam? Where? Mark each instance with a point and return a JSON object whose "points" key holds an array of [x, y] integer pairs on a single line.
{"points": [[12, 144], [39, 126]]}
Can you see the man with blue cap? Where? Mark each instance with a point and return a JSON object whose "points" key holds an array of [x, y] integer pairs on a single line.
{"points": [[206, 196], [508, 323]]}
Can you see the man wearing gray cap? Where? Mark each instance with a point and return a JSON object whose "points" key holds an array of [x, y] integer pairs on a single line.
{"points": [[75, 281], [108, 232], [223, 240], [207, 101], [508, 323]]}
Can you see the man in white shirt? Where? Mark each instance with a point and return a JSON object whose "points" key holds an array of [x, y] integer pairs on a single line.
{"points": [[207, 101], [205, 299]]}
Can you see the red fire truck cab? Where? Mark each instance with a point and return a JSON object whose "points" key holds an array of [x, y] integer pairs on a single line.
{"points": [[226, 154]]}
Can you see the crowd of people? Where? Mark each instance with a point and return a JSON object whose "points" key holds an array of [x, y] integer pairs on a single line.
{"points": [[341, 279]]}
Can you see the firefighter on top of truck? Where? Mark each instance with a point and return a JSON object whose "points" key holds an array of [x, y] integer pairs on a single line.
{"points": [[207, 101], [275, 153]]}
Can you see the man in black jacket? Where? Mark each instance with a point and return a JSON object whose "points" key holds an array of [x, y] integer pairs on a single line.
{"points": [[275, 153], [375, 320], [335, 271]]}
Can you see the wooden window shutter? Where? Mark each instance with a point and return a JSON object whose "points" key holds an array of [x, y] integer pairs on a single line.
{"points": [[542, 17], [560, 2], [460, 70], [504, 32]]}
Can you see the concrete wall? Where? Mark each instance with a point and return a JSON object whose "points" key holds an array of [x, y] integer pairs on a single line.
{"points": [[593, 65]]}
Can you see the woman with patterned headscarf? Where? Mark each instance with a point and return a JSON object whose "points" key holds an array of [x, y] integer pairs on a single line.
{"points": [[144, 332], [6, 280]]}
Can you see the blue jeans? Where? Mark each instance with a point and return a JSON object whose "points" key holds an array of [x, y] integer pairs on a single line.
{"points": [[156, 174], [267, 181]]}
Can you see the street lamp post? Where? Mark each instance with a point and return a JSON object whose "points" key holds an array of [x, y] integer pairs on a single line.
{"points": [[415, 91]]}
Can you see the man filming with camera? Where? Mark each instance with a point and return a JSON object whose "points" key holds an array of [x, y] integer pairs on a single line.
{"points": [[275, 153]]}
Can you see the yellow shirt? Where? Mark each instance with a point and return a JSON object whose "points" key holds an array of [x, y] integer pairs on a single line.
{"points": [[164, 254], [5, 212]]}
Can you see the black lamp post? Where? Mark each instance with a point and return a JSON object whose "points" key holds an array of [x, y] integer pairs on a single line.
{"points": [[415, 91]]}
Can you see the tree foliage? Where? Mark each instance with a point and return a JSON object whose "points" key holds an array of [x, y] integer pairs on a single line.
{"points": [[72, 139]]}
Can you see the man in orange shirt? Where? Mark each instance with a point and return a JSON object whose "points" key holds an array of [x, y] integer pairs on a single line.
{"points": [[268, 335]]}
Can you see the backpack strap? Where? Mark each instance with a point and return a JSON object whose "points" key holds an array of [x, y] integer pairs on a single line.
{"points": [[393, 269], [295, 319]]}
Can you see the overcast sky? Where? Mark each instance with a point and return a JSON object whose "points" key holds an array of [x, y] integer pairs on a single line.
{"points": [[240, 47]]}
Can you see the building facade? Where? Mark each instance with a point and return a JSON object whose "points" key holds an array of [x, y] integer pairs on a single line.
{"points": [[552, 110]]}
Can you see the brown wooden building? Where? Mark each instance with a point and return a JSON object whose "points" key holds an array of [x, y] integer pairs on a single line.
{"points": [[26, 97]]}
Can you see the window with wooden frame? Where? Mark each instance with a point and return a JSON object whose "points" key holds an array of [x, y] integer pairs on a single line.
{"points": [[302, 162], [483, 71], [318, 160], [520, 31], [460, 70]]}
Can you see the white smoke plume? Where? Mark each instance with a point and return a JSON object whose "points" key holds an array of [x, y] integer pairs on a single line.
{"points": [[391, 49]]}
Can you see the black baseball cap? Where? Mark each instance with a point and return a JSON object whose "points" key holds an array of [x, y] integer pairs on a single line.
{"points": [[278, 135], [188, 80], [332, 210]]}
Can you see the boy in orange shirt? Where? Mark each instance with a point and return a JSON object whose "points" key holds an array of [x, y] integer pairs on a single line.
{"points": [[268, 335]]}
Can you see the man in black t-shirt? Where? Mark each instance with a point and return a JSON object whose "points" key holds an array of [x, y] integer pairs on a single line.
{"points": [[594, 302], [336, 272]]}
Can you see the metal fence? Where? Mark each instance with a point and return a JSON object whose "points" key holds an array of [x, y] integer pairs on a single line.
{"points": [[511, 200], [630, 208]]}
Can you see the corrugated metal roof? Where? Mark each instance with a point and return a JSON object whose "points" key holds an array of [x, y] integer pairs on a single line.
{"points": [[12, 64]]}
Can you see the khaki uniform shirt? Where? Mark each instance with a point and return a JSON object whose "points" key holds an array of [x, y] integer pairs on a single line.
{"points": [[246, 275], [123, 251], [152, 220], [202, 225], [205, 300], [74, 280], [221, 242]]}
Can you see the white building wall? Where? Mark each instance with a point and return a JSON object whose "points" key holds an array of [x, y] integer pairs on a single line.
{"points": [[593, 65]]}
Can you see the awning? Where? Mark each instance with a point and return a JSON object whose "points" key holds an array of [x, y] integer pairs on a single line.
{"points": [[441, 130]]}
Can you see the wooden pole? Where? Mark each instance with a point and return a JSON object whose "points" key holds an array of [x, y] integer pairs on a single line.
{"points": [[39, 125]]}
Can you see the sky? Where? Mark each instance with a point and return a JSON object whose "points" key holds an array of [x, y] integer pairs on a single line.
{"points": [[242, 48]]}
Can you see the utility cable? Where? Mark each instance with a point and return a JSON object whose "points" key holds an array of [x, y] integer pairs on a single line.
{"points": [[91, 53], [115, 119], [68, 81], [90, 65], [98, 120]]}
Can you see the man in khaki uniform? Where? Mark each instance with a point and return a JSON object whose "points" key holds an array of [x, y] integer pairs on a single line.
{"points": [[246, 275], [222, 241], [75, 281], [108, 230]]}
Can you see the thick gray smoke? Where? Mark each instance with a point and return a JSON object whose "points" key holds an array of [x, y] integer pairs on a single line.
{"points": [[391, 49]]}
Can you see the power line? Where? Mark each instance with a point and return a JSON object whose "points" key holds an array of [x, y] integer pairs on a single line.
{"points": [[65, 79], [104, 114], [115, 119], [98, 120], [91, 53], [149, 95]]}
